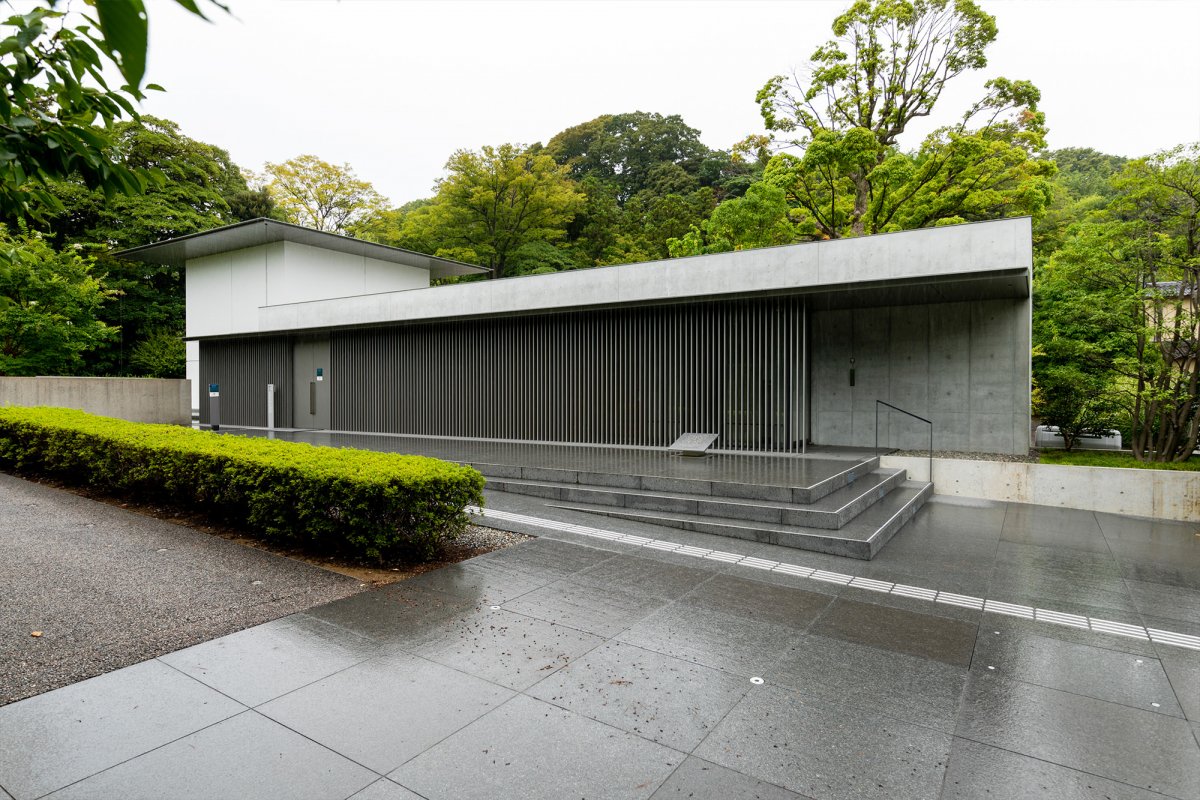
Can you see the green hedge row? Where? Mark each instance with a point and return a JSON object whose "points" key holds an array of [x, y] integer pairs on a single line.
{"points": [[380, 506]]}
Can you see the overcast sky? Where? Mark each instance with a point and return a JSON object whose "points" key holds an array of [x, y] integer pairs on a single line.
{"points": [[394, 86]]}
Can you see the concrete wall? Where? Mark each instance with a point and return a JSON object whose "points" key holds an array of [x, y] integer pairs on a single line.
{"points": [[135, 399], [1161, 494], [965, 366], [226, 290], [932, 253]]}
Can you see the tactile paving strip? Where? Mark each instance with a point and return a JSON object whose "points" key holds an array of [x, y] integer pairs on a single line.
{"points": [[1045, 615]]}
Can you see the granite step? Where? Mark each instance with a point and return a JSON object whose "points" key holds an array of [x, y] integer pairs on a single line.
{"points": [[764, 487], [861, 538], [831, 512]]}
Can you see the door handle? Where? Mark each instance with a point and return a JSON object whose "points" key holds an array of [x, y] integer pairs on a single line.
{"points": [[312, 397]]}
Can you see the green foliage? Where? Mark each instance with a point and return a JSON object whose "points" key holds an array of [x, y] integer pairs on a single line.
{"points": [[1076, 402], [162, 354], [1102, 458], [380, 506], [632, 152], [759, 219], [494, 201], [49, 306], [247, 204], [1119, 301], [539, 257], [314, 193], [57, 91], [201, 182], [889, 64]]}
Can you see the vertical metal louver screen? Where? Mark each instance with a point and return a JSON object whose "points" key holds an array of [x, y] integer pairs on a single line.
{"points": [[624, 376], [243, 368]]}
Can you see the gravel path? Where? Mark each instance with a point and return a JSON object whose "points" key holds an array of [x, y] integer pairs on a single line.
{"points": [[108, 587]]}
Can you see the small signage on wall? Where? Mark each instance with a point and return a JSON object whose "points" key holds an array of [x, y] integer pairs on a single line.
{"points": [[320, 374], [214, 390]]}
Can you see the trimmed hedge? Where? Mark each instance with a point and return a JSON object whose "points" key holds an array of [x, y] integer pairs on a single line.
{"points": [[381, 506]]}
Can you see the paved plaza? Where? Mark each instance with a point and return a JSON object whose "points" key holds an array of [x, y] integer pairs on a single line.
{"points": [[579, 666]]}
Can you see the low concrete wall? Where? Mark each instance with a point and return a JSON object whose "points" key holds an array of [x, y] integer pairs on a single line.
{"points": [[135, 399], [1162, 494]]}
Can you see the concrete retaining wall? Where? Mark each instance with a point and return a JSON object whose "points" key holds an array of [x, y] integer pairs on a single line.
{"points": [[135, 399], [1162, 494]]}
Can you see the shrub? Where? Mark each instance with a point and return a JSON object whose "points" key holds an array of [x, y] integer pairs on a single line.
{"points": [[381, 506]]}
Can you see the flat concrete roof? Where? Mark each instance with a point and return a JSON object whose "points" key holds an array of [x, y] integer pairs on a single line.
{"points": [[239, 236], [976, 261]]}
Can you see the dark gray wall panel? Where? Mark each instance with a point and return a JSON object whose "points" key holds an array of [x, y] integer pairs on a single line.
{"points": [[243, 368], [623, 376]]}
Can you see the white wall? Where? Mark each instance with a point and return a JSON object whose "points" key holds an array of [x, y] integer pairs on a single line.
{"points": [[225, 291]]}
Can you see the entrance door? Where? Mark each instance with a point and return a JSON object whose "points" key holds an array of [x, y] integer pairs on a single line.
{"points": [[310, 361]]}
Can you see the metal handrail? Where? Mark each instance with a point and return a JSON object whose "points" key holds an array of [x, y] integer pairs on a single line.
{"points": [[928, 422]]}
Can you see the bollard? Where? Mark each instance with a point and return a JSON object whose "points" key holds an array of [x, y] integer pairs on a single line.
{"points": [[214, 406]]}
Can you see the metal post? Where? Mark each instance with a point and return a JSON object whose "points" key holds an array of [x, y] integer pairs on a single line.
{"points": [[270, 406], [214, 406]]}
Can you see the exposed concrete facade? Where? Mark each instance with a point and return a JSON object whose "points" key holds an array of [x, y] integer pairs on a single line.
{"points": [[997, 253], [160, 400], [937, 321], [964, 366], [1160, 494]]}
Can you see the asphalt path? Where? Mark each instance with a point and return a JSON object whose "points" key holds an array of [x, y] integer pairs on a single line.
{"points": [[106, 587]]}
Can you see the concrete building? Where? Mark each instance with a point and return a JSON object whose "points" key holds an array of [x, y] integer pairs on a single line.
{"points": [[771, 349]]}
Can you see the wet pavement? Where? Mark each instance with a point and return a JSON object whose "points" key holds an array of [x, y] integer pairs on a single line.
{"points": [[105, 587], [576, 665]]}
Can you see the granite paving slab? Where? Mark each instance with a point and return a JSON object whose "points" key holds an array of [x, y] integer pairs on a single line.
{"points": [[531, 750], [663, 699], [827, 751], [1124, 678], [383, 712], [697, 779], [923, 635], [264, 662], [1128, 745], [980, 772], [247, 755], [918, 690], [602, 610], [722, 641], [58, 738], [506, 648], [384, 789]]}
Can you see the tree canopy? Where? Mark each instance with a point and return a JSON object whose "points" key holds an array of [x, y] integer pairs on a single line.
{"points": [[1118, 303], [888, 64], [314, 193]]}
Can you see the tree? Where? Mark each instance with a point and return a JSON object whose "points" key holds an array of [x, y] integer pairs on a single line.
{"points": [[759, 219], [888, 65], [1078, 403], [48, 307], [1121, 300], [628, 151], [57, 91], [317, 194], [492, 202], [201, 184], [162, 354]]}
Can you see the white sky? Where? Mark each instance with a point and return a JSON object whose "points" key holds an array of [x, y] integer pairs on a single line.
{"points": [[394, 86]]}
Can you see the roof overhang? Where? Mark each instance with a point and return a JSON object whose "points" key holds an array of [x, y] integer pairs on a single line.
{"points": [[178, 251]]}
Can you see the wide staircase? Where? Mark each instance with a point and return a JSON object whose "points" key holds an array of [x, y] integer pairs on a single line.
{"points": [[839, 506]]}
